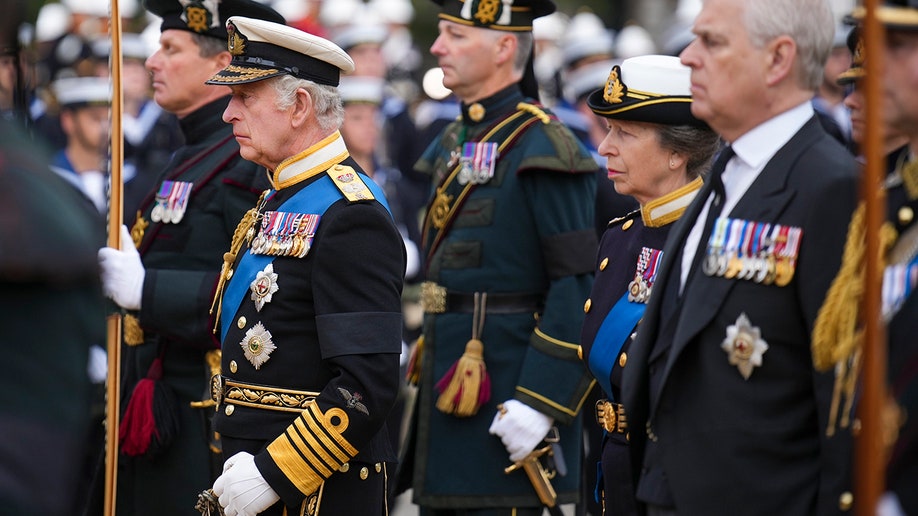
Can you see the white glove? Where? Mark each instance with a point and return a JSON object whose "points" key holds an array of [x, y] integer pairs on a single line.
{"points": [[122, 272], [520, 427], [242, 489]]}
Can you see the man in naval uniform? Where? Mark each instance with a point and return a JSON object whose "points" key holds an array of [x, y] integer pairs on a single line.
{"points": [[509, 242], [899, 304], [309, 302], [166, 282], [727, 410]]}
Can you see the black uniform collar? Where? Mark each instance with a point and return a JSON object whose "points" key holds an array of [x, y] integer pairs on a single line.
{"points": [[205, 122], [491, 108]]}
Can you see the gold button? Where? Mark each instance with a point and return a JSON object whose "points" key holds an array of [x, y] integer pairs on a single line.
{"points": [[229, 410], [603, 264], [580, 353], [233, 366], [587, 305], [345, 467], [846, 501], [229, 274], [622, 359], [378, 467], [628, 223], [906, 215], [364, 473], [241, 322]]}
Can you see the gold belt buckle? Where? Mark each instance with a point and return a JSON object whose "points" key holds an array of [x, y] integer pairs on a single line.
{"points": [[216, 388], [433, 298], [611, 416]]}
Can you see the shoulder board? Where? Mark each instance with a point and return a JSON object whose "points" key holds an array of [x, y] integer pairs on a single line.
{"points": [[350, 183], [617, 221], [535, 111]]}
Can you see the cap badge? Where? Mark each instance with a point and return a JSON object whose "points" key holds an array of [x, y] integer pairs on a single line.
{"points": [[257, 345], [200, 15], [264, 286], [614, 90], [488, 12], [235, 42], [744, 345]]}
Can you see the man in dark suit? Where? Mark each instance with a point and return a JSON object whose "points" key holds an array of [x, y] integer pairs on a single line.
{"points": [[729, 413]]}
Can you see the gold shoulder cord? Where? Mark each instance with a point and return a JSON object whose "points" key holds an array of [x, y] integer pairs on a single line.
{"points": [[244, 232], [837, 335]]}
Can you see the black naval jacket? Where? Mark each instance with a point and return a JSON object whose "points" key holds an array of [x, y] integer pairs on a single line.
{"points": [[758, 443], [902, 469], [182, 263], [335, 324], [619, 252]]}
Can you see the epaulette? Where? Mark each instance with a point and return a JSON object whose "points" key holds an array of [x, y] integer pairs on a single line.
{"points": [[350, 183], [624, 218], [535, 111]]}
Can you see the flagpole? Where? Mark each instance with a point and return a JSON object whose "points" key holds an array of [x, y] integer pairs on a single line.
{"points": [[870, 456], [114, 320]]}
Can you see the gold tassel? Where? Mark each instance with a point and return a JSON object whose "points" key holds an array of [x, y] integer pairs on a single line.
{"points": [[467, 386], [413, 374]]}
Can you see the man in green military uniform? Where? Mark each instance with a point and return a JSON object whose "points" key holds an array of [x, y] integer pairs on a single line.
{"points": [[509, 240], [166, 282]]}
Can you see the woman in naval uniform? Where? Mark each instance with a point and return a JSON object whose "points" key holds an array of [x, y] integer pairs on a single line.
{"points": [[655, 151]]}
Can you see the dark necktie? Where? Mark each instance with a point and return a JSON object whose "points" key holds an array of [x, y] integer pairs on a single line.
{"points": [[714, 209]]}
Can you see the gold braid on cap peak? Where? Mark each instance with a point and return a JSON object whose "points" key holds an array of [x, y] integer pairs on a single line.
{"points": [[837, 334]]}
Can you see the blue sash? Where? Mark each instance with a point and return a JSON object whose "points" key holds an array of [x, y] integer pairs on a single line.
{"points": [[315, 199], [616, 328]]}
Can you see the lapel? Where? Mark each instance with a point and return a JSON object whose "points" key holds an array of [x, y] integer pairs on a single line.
{"points": [[767, 197]]}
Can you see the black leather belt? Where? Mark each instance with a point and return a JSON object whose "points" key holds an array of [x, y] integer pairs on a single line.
{"points": [[437, 300]]}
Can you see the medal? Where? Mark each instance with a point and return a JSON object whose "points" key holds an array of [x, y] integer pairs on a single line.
{"points": [[478, 161], [257, 345], [264, 286], [744, 346]]}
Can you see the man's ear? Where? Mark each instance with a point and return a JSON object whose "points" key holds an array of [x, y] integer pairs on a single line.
{"points": [[782, 54], [302, 108], [505, 48]]}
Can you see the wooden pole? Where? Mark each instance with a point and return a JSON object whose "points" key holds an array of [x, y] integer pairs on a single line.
{"points": [[870, 463], [116, 206]]}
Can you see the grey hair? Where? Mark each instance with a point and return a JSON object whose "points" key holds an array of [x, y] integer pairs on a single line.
{"points": [[208, 46], [524, 45], [325, 99], [697, 144], [810, 23]]}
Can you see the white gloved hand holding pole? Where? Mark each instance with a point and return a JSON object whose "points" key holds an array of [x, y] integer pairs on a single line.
{"points": [[122, 273], [520, 427], [241, 488]]}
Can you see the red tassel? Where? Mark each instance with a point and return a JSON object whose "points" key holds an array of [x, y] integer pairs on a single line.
{"points": [[138, 426]]}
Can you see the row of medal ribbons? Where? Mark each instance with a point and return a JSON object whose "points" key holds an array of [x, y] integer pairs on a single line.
{"points": [[285, 234], [756, 251]]}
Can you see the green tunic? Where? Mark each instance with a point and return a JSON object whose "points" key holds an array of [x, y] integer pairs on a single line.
{"points": [[526, 231]]}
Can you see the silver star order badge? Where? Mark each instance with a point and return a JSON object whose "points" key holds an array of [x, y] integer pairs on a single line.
{"points": [[744, 345], [257, 345], [264, 286]]}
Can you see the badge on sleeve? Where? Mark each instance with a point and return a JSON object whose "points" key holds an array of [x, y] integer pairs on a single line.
{"points": [[744, 345]]}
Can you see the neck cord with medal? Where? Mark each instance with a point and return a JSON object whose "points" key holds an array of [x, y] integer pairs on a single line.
{"points": [[442, 209]]}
